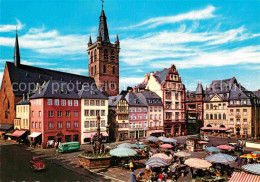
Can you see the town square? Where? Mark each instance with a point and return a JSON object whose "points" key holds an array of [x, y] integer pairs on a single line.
{"points": [[153, 91]]}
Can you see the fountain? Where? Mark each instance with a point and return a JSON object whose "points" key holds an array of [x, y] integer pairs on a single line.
{"points": [[98, 157]]}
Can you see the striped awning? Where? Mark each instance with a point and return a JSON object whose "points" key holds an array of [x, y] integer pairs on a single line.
{"points": [[236, 176], [215, 128], [18, 133]]}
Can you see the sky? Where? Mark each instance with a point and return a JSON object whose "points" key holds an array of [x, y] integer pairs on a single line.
{"points": [[206, 40]]}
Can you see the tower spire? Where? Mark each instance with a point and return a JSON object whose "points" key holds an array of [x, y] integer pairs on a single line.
{"points": [[103, 30], [16, 51]]}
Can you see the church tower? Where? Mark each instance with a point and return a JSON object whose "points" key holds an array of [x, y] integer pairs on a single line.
{"points": [[104, 59]]}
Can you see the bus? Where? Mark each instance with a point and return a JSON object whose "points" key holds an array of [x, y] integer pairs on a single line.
{"points": [[69, 146]]}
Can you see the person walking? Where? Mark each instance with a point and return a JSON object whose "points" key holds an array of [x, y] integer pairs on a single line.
{"points": [[132, 176]]}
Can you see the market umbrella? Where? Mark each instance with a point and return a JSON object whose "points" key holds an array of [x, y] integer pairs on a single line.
{"points": [[220, 158], [166, 146], [125, 145], [250, 156], [256, 152], [169, 140], [225, 147], [212, 149], [161, 137], [156, 162], [152, 138], [141, 146], [252, 168], [163, 156], [122, 152], [198, 163], [182, 154]]}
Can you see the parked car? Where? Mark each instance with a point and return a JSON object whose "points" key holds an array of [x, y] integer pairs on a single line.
{"points": [[37, 163]]}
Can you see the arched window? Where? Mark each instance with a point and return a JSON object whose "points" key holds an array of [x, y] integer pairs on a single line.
{"points": [[209, 125], [224, 116], [219, 116], [112, 55], [105, 55], [114, 70], [91, 57], [207, 116], [95, 55], [95, 70], [215, 116], [207, 106], [92, 71], [104, 68], [211, 116], [211, 106]]}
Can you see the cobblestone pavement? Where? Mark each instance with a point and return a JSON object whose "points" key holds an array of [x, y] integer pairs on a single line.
{"points": [[69, 160]]}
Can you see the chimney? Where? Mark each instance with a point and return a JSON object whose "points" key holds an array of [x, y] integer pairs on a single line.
{"points": [[28, 96], [146, 77], [23, 97]]}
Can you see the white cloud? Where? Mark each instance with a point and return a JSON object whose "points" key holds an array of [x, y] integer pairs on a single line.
{"points": [[9, 28], [242, 55], [201, 14], [129, 81], [77, 71], [36, 63], [1, 77]]}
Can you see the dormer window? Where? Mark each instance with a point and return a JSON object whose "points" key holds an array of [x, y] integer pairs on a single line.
{"points": [[92, 92]]}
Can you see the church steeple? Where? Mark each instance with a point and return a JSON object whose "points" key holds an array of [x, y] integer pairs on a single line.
{"points": [[16, 52], [103, 30]]}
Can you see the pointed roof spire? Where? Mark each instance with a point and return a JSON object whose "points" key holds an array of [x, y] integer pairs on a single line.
{"points": [[90, 40], [103, 30], [16, 51], [117, 39]]}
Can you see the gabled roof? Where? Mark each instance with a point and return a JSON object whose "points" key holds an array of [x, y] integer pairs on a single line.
{"points": [[30, 75], [91, 93], [55, 89], [133, 100], [150, 98], [161, 75], [113, 100], [23, 102]]}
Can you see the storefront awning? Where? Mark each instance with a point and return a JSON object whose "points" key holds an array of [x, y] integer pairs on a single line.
{"points": [[91, 134], [35, 134], [236, 176], [156, 131], [202, 142], [215, 128], [2, 132], [18, 133], [5, 126]]}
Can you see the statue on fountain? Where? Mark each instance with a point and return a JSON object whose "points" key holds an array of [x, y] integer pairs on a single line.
{"points": [[98, 147]]}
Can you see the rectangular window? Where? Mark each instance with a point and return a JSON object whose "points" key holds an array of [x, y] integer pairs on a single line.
{"points": [[155, 109], [139, 116], [145, 124], [244, 121], [32, 113], [86, 112], [49, 102], [40, 113], [103, 113], [59, 125], [130, 116], [56, 102], [50, 125], [92, 124], [97, 102], [231, 121], [140, 125], [50, 114], [76, 124], [151, 109], [32, 124], [145, 117], [103, 103], [238, 121], [145, 109], [76, 102], [130, 109], [76, 113], [224, 106], [97, 112], [245, 131], [244, 112], [63, 102], [139, 109], [40, 125], [130, 125], [59, 113], [92, 103], [102, 123], [86, 102], [134, 109], [160, 116], [92, 112], [67, 124], [67, 113], [86, 124], [69, 102], [151, 116], [68, 138]]}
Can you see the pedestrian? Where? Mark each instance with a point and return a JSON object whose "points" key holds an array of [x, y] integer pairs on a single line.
{"points": [[132, 176], [160, 178]]}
